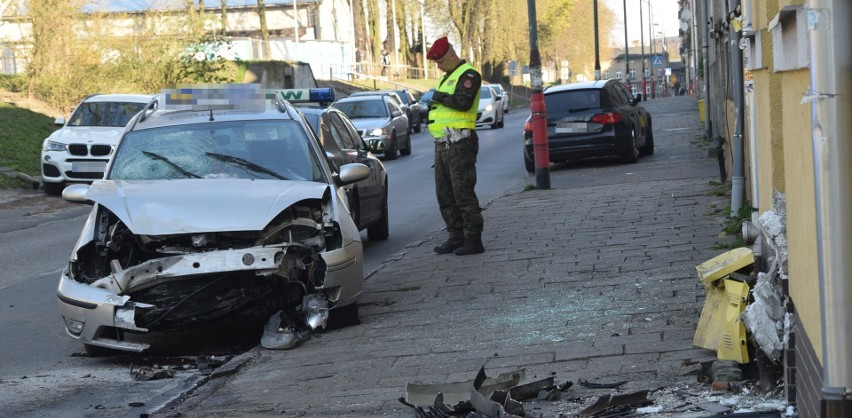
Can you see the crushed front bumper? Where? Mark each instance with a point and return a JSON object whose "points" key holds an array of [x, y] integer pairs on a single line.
{"points": [[93, 312]]}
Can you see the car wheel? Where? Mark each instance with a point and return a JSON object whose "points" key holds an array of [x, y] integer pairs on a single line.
{"points": [[648, 148], [631, 155], [502, 122], [417, 127], [54, 189], [496, 124], [380, 231], [407, 149], [529, 164], [391, 151]]}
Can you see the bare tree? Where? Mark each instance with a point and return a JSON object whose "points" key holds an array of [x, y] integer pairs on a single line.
{"points": [[264, 31]]}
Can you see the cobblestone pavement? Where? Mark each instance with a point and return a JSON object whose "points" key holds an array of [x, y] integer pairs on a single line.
{"points": [[593, 279]]}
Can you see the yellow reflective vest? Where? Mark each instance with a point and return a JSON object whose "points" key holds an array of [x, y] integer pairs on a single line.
{"points": [[444, 116]]}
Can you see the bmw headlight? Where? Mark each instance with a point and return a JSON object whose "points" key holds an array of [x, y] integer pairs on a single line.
{"points": [[376, 132], [52, 146]]}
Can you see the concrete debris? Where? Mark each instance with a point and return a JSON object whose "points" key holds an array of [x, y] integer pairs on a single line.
{"points": [[592, 385], [145, 373], [483, 396], [613, 402]]}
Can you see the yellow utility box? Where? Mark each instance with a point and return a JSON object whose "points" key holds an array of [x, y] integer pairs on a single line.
{"points": [[701, 110]]}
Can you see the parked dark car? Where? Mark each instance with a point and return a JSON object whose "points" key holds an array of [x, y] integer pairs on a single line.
{"points": [[592, 119], [368, 198], [414, 108], [404, 103], [380, 121]]}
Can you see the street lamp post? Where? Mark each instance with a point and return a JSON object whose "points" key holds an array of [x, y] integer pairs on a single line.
{"points": [[423, 37], [642, 42]]}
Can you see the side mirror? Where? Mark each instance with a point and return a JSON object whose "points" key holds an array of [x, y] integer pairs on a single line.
{"points": [[76, 193], [637, 98], [352, 173], [59, 121], [396, 113]]}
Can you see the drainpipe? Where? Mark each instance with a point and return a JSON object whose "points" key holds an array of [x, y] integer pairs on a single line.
{"points": [[737, 149], [708, 125], [831, 112]]}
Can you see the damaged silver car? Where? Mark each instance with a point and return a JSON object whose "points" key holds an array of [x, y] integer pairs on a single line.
{"points": [[218, 203]]}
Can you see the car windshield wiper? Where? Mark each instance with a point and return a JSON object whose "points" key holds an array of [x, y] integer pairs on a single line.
{"points": [[180, 169], [242, 162]]}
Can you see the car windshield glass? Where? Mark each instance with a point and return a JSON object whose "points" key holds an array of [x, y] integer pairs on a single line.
{"points": [[359, 109], [115, 114], [572, 101], [263, 149], [484, 93], [497, 88]]}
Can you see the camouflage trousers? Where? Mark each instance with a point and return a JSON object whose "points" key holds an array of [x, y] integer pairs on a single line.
{"points": [[455, 180]]}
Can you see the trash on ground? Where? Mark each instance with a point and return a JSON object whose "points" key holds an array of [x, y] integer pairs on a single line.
{"points": [[612, 402], [144, 373], [593, 385]]}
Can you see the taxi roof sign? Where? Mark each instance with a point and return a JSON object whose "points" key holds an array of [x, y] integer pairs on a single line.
{"points": [[214, 97], [315, 95]]}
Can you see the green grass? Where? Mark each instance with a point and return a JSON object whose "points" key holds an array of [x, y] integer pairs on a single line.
{"points": [[21, 134]]}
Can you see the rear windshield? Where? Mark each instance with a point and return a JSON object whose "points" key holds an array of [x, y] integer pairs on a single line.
{"points": [[485, 93], [573, 101]]}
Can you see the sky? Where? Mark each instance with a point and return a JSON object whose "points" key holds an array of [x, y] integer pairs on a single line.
{"points": [[665, 13]]}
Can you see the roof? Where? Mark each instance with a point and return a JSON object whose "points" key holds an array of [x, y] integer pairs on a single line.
{"points": [[595, 84], [133, 98]]}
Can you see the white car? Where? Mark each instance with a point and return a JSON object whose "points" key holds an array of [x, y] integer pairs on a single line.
{"points": [[80, 150], [213, 209], [490, 109], [504, 96]]}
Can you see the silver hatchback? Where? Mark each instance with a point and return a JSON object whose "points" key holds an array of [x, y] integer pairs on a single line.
{"points": [[211, 209]]}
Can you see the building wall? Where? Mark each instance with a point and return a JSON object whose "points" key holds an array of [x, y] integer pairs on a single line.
{"points": [[801, 215]]}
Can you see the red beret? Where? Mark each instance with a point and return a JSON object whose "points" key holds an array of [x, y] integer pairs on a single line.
{"points": [[438, 49]]}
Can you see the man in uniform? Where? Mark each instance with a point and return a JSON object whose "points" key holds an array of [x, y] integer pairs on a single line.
{"points": [[452, 122]]}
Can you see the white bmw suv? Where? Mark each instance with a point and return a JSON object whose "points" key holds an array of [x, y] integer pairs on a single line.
{"points": [[80, 150]]}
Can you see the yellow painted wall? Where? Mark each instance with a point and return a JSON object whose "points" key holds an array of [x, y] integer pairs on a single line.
{"points": [[766, 164], [801, 213]]}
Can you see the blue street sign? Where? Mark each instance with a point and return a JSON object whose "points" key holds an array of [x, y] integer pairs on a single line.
{"points": [[658, 60]]}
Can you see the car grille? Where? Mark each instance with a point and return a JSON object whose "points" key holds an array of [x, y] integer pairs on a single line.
{"points": [[78, 149], [82, 150], [101, 150]]}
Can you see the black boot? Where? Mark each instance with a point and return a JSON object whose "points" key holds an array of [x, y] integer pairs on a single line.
{"points": [[449, 246], [471, 246]]}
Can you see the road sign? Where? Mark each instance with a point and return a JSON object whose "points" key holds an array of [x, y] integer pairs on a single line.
{"points": [[658, 60]]}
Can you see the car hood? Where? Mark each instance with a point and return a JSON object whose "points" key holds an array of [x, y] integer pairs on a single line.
{"points": [[369, 123], [158, 207], [87, 134]]}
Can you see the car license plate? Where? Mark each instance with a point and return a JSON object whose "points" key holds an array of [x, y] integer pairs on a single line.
{"points": [[571, 128], [88, 166]]}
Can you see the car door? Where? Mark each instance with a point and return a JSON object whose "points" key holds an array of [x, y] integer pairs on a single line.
{"points": [[630, 111], [354, 150]]}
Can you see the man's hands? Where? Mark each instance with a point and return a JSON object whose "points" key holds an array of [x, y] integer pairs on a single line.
{"points": [[440, 97]]}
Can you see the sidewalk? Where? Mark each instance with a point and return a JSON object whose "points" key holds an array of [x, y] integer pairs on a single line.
{"points": [[592, 280]]}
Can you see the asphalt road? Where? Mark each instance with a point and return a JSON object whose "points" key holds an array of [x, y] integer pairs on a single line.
{"points": [[43, 366]]}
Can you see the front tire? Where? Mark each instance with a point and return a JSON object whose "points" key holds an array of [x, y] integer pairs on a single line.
{"points": [[407, 149], [380, 231], [391, 151]]}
